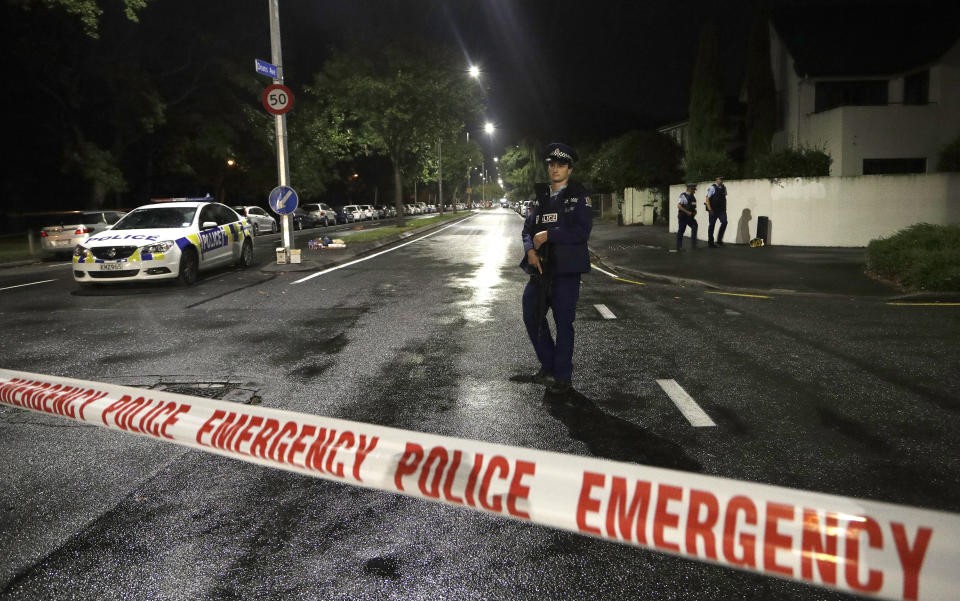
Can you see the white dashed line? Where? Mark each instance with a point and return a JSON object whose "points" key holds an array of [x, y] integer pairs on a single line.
{"points": [[30, 284], [607, 313], [685, 403], [382, 252]]}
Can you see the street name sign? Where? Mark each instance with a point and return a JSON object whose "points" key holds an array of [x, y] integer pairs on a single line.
{"points": [[265, 68]]}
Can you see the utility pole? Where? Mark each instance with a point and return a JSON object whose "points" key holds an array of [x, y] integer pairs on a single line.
{"points": [[283, 167]]}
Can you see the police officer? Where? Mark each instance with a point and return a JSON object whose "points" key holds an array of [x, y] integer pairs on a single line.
{"points": [[717, 208], [687, 206], [555, 236]]}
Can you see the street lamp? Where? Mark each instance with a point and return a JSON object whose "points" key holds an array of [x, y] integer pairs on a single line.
{"points": [[474, 71]]}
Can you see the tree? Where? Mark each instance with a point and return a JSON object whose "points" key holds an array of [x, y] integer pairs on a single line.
{"points": [[637, 159], [88, 11], [399, 104], [706, 152], [761, 118], [522, 167], [459, 155]]}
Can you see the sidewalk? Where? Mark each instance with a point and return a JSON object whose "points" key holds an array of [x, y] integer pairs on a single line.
{"points": [[644, 252]]}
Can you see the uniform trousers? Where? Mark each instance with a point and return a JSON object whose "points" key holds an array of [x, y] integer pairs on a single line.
{"points": [[556, 358], [715, 216], [685, 220]]}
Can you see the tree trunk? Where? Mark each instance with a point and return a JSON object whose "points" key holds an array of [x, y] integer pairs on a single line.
{"points": [[398, 191], [98, 195]]}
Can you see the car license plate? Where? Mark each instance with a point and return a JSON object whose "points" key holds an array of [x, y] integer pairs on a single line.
{"points": [[111, 266]]}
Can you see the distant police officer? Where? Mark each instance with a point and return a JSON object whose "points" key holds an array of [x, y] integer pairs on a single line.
{"points": [[717, 207], [555, 236], [687, 205]]}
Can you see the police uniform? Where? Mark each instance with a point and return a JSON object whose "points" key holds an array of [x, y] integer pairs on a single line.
{"points": [[689, 202], [717, 197], [567, 215]]}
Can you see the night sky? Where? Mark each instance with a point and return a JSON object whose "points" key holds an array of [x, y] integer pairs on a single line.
{"points": [[560, 70]]}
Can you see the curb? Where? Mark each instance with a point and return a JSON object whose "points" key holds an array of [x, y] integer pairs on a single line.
{"points": [[930, 297]]}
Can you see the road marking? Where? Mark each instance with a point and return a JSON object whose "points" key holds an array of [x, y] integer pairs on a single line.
{"points": [[616, 277], [743, 295], [30, 284], [60, 265], [924, 304], [697, 417], [382, 252], [607, 313]]}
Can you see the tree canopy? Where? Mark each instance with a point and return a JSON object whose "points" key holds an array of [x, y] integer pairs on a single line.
{"points": [[400, 103]]}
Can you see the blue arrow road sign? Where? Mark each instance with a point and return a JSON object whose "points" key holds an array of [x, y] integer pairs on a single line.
{"points": [[283, 200], [265, 68]]}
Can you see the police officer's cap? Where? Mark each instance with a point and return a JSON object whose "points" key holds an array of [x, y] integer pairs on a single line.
{"points": [[691, 186], [561, 152]]}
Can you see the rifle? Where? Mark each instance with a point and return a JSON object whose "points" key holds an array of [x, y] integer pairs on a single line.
{"points": [[544, 285]]}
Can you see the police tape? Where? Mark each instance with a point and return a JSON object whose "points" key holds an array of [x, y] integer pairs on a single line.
{"points": [[853, 545]]}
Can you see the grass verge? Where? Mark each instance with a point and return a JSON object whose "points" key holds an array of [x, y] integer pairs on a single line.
{"points": [[920, 257], [14, 248], [393, 230]]}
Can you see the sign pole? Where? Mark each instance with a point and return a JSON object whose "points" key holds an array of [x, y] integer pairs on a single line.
{"points": [[283, 167]]}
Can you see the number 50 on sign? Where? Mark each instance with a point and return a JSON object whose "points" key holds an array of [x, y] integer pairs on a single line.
{"points": [[277, 99]]}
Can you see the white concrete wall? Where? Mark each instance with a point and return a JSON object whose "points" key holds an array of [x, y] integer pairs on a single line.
{"points": [[830, 211], [639, 206]]}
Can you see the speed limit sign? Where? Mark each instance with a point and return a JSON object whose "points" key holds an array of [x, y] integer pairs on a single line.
{"points": [[277, 99]]}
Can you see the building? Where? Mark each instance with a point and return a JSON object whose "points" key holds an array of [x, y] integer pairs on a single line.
{"points": [[877, 86]]}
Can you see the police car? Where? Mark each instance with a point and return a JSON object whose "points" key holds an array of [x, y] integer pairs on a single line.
{"points": [[175, 238]]}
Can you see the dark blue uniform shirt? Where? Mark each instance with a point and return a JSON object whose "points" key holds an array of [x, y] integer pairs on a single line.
{"points": [[568, 216]]}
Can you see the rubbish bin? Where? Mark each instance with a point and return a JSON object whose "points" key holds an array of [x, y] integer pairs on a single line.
{"points": [[763, 225]]}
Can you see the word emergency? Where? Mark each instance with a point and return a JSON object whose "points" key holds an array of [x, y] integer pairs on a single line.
{"points": [[56, 399], [291, 442], [739, 531]]}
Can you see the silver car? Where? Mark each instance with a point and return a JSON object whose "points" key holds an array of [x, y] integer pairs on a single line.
{"points": [[321, 212], [73, 228], [259, 219]]}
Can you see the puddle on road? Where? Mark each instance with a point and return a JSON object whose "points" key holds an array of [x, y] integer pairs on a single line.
{"points": [[485, 281]]}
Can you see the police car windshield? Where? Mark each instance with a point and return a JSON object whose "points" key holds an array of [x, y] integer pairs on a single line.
{"points": [[157, 218]]}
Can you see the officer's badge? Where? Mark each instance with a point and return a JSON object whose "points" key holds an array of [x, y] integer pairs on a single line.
{"points": [[550, 218]]}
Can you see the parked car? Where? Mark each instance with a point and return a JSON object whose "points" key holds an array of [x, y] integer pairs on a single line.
{"points": [[69, 229], [321, 212], [369, 212], [259, 219], [305, 220], [353, 213], [165, 240], [388, 211]]}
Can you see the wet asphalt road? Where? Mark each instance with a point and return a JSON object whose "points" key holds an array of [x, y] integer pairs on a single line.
{"points": [[847, 396]]}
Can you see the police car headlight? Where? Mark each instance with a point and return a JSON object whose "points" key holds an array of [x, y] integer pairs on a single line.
{"points": [[159, 247], [80, 251]]}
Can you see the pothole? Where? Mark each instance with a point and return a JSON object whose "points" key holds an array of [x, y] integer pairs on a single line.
{"points": [[234, 391]]}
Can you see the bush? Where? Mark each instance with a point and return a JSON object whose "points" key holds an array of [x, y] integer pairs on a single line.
{"points": [[709, 165], [920, 257], [792, 162], [950, 157]]}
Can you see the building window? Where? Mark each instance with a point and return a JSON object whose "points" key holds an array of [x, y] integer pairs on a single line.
{"points": [[831, 94], [894, 166], [916, 88]]}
